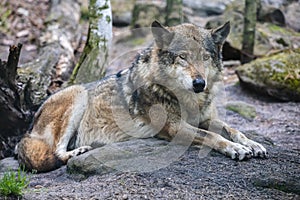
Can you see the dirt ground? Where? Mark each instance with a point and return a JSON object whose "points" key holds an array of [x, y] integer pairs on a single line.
{"points": [[277, 127]]}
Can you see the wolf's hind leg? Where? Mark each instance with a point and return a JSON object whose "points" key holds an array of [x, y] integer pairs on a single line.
{"points": [[62, 146], [71, 128], [80, 150]]}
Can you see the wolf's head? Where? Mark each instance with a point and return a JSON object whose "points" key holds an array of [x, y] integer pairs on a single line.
{"points": [[189, 55]]}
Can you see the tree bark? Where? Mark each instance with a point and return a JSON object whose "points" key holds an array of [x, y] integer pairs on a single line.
{"points": [[94, 59], [249, 31], [174, 13], [11, 113], [13, 120]]}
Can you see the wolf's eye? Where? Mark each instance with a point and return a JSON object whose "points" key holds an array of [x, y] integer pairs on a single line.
{"points": [[183, 56], [206, 57]]}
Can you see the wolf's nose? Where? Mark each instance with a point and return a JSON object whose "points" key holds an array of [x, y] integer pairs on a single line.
{"points": [[198, 85]]}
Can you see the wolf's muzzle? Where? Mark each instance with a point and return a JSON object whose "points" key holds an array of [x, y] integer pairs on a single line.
{"points": [[198, 85]]}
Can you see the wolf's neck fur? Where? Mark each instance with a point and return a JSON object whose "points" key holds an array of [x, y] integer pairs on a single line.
{"points": [[149, 81]]}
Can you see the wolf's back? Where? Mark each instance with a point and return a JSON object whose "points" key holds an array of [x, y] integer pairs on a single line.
{"points": [[35, 154]]}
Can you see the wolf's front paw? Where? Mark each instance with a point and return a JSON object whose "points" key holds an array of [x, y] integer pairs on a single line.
{"points": [[237, 151], [257, 149]]}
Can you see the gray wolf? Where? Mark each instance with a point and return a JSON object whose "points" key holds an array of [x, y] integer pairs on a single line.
{"points": [[178, 74]]}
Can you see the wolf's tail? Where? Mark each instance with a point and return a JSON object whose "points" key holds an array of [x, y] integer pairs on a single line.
{"points": [[36, 155]]}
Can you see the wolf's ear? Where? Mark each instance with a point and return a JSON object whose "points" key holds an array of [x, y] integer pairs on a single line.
{"points": [[162, 36], [220, 34]]}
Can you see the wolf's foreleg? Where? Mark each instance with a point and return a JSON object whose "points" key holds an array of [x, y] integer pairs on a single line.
{"points": [[217, 142], [238, 137]]}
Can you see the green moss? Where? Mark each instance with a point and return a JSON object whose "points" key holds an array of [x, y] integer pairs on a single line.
{"points": [[138, 41], [108, 19], [4, 26], [105, 6], [280, 30], [84, 14], [283, 68], [245, 110]]}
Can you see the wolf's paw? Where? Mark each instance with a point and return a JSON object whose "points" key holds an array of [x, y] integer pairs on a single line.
{"points": [[257, 149], [81, 150], [237, 151]]}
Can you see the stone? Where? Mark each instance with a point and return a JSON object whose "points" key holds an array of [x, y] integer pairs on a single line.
{"points": [[286, 184], [292, 16], [207, 8], [122, 12], [139, 155], [9, 163], [277, 75]]}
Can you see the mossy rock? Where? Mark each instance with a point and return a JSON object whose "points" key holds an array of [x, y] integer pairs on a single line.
{"points": [[277, 75], [269, 37]]}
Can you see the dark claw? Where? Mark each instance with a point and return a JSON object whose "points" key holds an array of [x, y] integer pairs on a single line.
{"points": [[249, 155], [259, 154], [237, 156]]}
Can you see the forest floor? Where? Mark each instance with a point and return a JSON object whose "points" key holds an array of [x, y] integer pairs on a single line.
{"points": [[276, 126]]}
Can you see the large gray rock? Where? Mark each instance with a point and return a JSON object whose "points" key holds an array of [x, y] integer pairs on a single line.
{"points": [[122, 12], [292, 16], [9, 163], [140, 155], [275, 3], [277, 75], [269, 37], [207, 8]]}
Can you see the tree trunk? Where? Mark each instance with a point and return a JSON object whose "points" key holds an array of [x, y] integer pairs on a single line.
{"points": [[94, 59], [174, 13], [249, 31]]}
